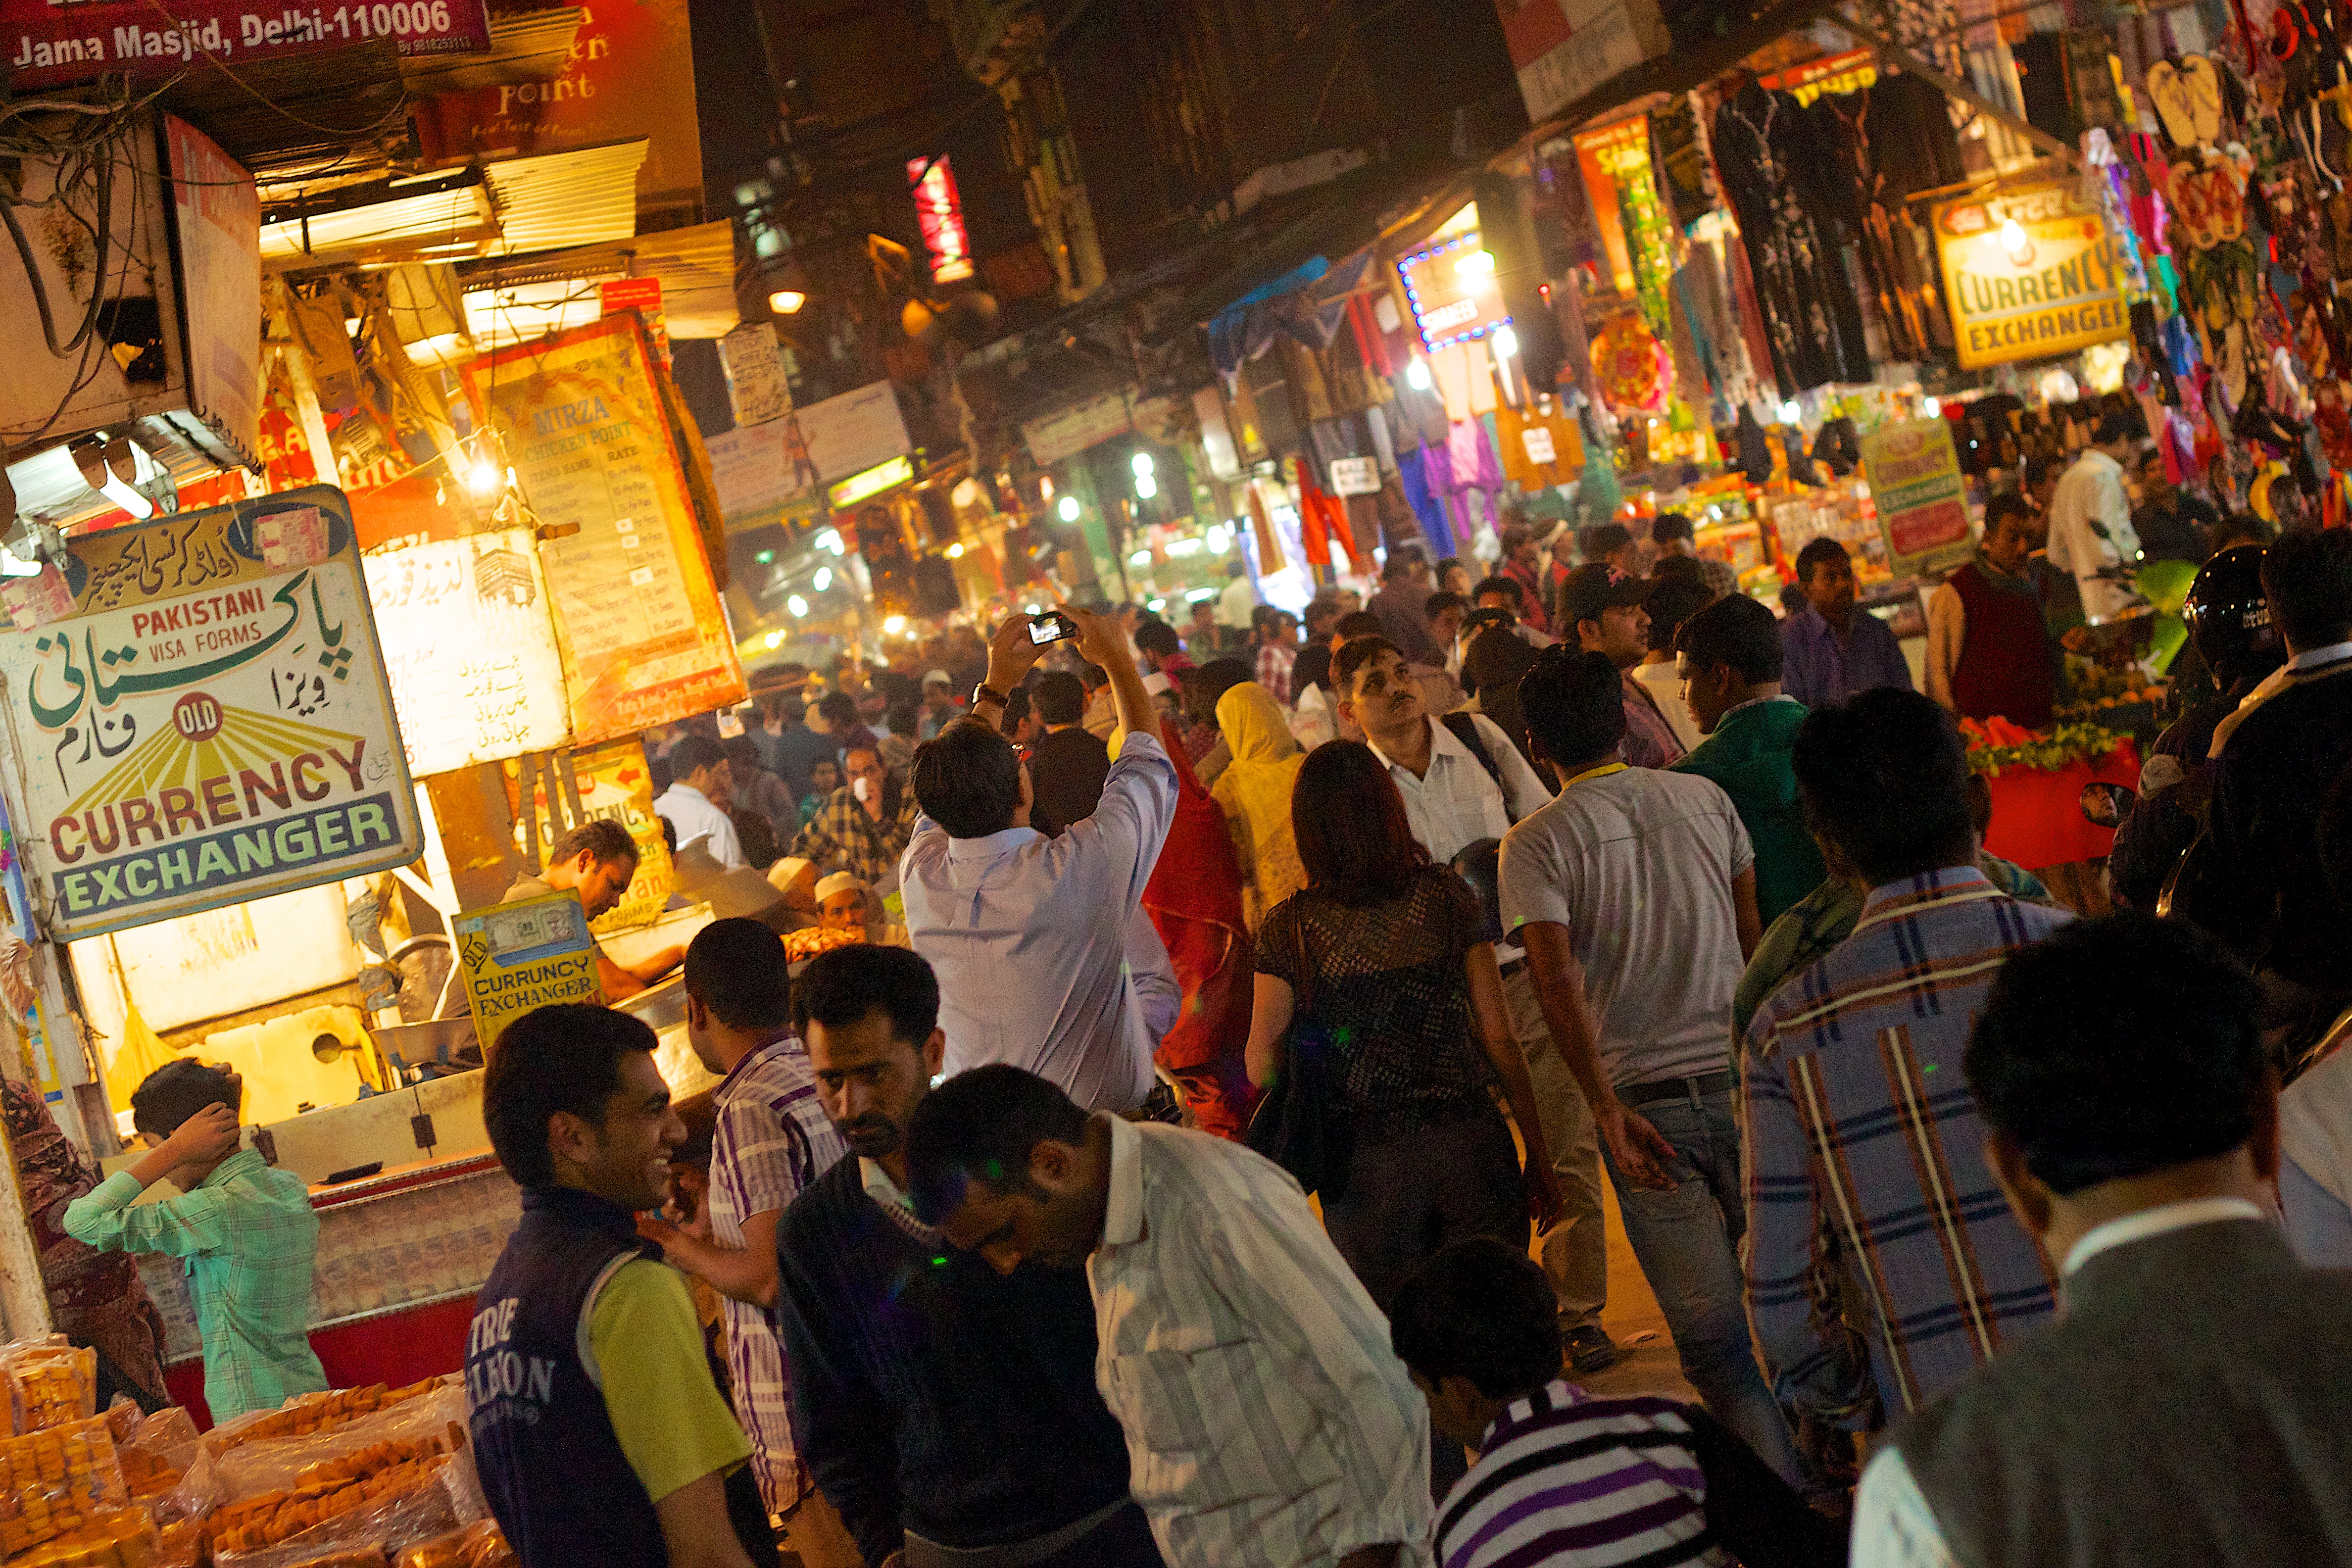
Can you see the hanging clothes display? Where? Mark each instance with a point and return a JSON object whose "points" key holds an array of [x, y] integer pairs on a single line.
{"points": [[1413, 479], [1809, 315]]}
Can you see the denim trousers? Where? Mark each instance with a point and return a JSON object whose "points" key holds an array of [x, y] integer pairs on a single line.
{"points": [[1687, 1241]]}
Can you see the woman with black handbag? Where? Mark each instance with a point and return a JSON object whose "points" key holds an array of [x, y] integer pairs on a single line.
{"points": [[1379, 1027]]}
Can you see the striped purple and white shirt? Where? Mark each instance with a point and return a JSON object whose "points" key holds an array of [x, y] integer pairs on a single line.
{"points": [[1863, 1157], [771, 1140], [1564, 1477]]}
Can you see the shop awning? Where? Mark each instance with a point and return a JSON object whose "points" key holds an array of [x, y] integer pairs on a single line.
{"points": [[512, 298], [512, 207]]}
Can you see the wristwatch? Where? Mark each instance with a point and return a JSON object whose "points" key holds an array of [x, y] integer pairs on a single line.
{"points": [[984, 693]]}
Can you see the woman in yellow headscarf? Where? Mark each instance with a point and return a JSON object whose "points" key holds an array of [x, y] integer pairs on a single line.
{"points": [[1255, 792]]}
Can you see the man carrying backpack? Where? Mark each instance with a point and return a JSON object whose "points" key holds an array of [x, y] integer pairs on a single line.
{"points": [[1464, 781]]}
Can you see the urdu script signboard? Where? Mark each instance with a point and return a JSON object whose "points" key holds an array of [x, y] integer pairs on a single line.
{"points": [[200, 716]]}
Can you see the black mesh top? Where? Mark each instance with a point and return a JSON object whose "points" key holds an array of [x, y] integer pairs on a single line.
{"points": [[1385, 984]]}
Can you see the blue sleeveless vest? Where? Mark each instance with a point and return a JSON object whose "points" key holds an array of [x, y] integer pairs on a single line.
{"points": [[550, 1463]]}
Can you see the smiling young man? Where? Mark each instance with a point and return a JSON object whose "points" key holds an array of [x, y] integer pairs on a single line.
{"points": [[599, 1430], [930, 1453], [1267, 1421]]}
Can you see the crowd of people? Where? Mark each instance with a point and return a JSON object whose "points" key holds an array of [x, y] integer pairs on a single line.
{"points": [[1487, 892]]}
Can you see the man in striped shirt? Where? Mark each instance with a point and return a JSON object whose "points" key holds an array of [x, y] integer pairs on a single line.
{"points": [[773, 1138], [1865, 1149], [1269, 1424], [1564, 1478]]}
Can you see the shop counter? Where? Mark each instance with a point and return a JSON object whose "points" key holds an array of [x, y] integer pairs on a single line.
{"points": [[402, 1256]]}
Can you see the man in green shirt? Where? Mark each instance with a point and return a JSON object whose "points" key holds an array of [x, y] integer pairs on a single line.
{"points": [[246, 1232], [1728, 656]]}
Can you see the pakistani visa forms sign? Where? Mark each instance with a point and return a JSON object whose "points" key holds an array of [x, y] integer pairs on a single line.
{"points": [[199, 716]]}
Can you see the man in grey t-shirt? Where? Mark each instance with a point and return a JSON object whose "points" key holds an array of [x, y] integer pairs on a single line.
{"points": [[1635, 894]]}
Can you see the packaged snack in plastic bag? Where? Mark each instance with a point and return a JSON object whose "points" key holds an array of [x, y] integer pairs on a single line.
{"points": [[180, 1544], [278, 1464], [50, 1384], [123, 1419], [116, 1538], [312, 1413], [53, 1481], [478, 1545], [416, 1504]]}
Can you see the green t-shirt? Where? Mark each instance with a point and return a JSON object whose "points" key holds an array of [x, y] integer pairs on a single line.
{"points": [[674, 1424]]}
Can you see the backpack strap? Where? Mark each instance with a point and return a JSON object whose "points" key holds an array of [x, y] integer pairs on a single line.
{"points": [[1465, 727]]}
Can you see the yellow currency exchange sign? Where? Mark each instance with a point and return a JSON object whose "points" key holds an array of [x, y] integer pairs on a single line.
{"points": [[524, 955], [2031, 273]]}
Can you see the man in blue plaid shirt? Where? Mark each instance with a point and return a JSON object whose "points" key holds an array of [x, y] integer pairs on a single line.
{"points": [[1863, 1147]]}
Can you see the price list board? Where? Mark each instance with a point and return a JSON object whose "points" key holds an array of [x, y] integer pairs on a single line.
{"points": [[636, 612]]}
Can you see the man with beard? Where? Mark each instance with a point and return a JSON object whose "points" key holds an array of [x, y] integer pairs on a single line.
{"points": [[948, 1413]]}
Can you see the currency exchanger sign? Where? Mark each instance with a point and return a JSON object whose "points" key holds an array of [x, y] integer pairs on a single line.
{"points": [[2029, 274], [200, 716]]}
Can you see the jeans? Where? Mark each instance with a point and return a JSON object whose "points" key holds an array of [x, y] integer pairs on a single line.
{"points": [[1688, 1240], [1575, 1252]]}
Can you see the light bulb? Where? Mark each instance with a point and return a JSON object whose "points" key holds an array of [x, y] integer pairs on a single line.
{"points": [[1932, 408], [955, 551], [894, 626], [1141, 465], [1140, 558], [1416, 376], [1477, 262], [1146, 485], [1069, 509], [1791, 413], [2012, 237], [797, 606], [785, 302], [775, 641], [830, 539], [484, 479], [1506, 343], [823, 578]]}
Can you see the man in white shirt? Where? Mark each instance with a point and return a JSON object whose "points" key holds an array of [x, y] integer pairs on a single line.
{"points": [[696, 802], [2192, 1401], [2090, 532], [1635, 894], [1268, 1423], [1233, 605], [1045, 956], [1453, 798]]}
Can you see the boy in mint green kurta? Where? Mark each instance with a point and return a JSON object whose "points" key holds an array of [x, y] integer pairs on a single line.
{"points": [[246, 1234]]}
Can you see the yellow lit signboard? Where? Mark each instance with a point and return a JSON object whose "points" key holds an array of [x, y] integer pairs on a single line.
{"points": [[872, 482], [525, 955], [2030, 274]]}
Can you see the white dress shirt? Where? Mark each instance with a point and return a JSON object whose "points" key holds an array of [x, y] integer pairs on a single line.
{"points": [[2092, 491], [1894, 1527], [1457, 804], [1267, 1421], [692, 815], [1045, 956]]}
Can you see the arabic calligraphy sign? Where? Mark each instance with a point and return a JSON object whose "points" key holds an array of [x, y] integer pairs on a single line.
{"points": [[469, 649], [208, 721], [636, 613]]}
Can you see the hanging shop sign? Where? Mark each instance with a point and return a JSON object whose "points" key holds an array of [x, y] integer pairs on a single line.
{"points": [[762, 474], [636, 613], [1922, 498], [757, 390], [1609, 158], [1355, 476], [202, 715], [46, 44], [469, 649], [938, 211], [1853, 71], [519, 957], [1562, 49], [852, 433], [872, 482], [1452, 290], [1069, 431], [2030, 274]]}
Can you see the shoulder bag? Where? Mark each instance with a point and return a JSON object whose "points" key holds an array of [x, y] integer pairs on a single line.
{"points": [[1293, 1125]]}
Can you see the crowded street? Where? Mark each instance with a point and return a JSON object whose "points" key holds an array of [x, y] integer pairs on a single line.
{"points": [[1176, 783]]}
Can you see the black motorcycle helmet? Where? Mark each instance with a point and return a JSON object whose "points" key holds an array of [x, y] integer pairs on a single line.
{"points": [[2230, 616]]}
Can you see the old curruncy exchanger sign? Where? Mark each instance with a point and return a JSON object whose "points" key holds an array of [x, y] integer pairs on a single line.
{"points": [[47, 43], [199, 716]]}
